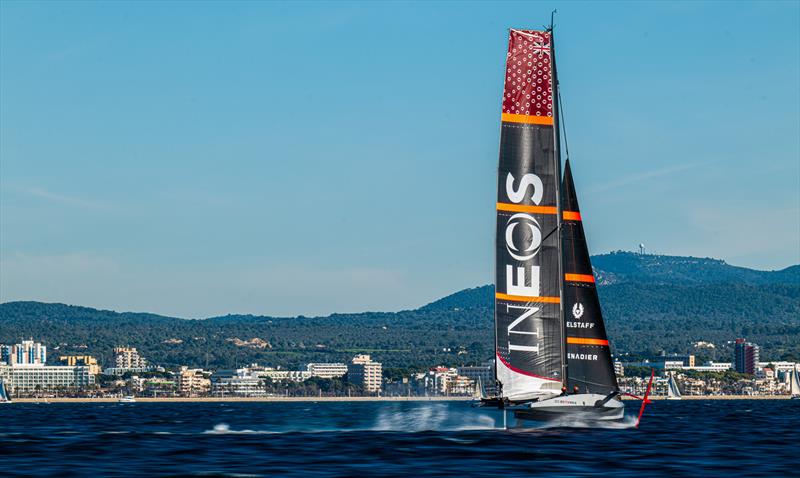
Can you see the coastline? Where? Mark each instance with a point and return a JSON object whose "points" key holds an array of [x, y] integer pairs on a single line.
{"points": [[718, 397], [243, 399], [344, 399]]}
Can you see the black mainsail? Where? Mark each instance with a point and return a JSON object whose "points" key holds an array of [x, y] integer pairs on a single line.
{"points": [[528, 319], [591, 369]]}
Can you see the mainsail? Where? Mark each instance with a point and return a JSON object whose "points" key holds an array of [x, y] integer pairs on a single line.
{"points": [[672, 388], [589, 364], [528, 324], [794, 383]]}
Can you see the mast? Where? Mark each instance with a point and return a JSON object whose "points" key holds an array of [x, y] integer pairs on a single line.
{"points": [[557, 158]]}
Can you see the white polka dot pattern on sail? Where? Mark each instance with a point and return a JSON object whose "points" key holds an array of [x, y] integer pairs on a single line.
{"points": [[527, 87]]}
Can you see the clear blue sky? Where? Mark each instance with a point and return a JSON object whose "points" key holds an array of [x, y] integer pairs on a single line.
{"points": [[202, 158]]}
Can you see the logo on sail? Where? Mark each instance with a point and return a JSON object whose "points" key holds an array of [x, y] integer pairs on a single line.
{"points": [[529, 224], [577, 310]]}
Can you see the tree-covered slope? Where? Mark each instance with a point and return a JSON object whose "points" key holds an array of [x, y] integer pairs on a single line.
{"points": [[651, 303]]}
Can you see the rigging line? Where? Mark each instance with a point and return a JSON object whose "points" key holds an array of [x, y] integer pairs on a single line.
{"points": [[550, 234], [563, 121]]}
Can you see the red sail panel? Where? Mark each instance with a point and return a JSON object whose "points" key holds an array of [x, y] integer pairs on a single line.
{"points": [[527, 95], [528, 326]]}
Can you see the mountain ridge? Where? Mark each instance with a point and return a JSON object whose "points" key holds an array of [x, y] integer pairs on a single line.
{"points": [[645, 300]]}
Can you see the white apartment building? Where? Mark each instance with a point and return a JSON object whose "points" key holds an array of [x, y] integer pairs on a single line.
{"points": [[283, 375], [32, 378], [712, 367], [128, 358], [619, 369], [327, 370], [193, 381], [484, 373], [240, 382], [363, 371]]}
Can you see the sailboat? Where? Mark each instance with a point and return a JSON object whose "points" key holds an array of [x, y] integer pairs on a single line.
{"points": [[552, 352], [4, 398], [794, 384], [672, 389]]}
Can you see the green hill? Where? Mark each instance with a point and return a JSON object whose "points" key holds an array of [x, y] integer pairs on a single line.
{"points": [[651, 303]]}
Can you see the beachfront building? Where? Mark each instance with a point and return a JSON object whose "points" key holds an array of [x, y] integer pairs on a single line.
{"points": [[193, 382], [780, 367], [366, 373], [128, 357], [327, 370], [619, 369], [482, 377], [711, 367], [443, 378], [27, 379], [127, 361], [448, 381], [675, 362], [80, 361], [282, 375], [241, 382], [154, 386], [746, 356], [25, 353], [694, 386], [482, 373]]}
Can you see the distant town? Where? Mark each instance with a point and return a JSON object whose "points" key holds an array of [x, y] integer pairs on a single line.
{"points": [[25, 372]]}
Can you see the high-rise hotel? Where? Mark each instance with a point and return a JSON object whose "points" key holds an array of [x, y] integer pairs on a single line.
{"points": [[23, 370], [746, 356], [27, 352]]}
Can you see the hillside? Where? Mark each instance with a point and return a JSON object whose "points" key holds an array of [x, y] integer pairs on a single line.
{"points": [[621, 266], [646, 299]]}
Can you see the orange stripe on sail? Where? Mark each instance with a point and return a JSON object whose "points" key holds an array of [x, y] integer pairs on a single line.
{"points": [[572, 216], [524, 298], [578, 277], [526, 119], [582, 341], [504, 206]]}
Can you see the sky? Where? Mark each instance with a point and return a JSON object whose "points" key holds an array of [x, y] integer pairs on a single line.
{"points": [[198, 159]]}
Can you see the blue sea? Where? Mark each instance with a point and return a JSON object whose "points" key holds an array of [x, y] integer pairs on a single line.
{"points": [[678, 438]]}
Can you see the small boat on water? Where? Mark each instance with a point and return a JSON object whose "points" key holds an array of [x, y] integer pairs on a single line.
{"points": [[127, 399], [673, 393], [794, 384], [552, 357], [4, 397]]}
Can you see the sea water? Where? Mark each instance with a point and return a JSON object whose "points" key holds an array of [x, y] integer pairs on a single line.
{"points": [[676, 438]]}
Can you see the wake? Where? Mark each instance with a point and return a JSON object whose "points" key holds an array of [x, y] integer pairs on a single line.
{"points": [[436, 418]]}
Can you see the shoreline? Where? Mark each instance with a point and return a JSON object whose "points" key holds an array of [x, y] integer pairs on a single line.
{"points": [[718, 397], [343, 399], [241, 399]]}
